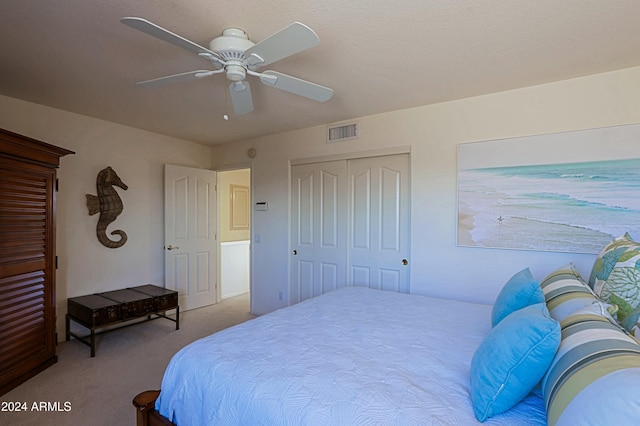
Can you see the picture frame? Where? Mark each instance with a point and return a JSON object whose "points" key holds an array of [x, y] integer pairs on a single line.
{"points": [[567, 192], [239, 206]]}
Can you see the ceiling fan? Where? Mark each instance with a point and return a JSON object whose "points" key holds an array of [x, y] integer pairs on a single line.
{"points": [[235, 55]]}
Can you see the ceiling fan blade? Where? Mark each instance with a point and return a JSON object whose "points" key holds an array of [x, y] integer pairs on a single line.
{"points": [[177, 78], [241, 97], [154, 30], [297, 86], [286, 42]]}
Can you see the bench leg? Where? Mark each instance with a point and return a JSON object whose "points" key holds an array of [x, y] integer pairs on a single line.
{"points": [[93, 342], [177, 317], [68, 321]]}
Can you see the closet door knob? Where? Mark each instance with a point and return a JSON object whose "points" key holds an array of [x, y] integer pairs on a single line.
{"points": [[405, 262], [295, 252], [170, 247]]}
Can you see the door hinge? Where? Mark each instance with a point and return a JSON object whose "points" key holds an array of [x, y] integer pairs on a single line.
{"points": [[56, 262], [57, 184]]}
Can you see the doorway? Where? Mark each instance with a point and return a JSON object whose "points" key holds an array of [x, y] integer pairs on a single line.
{"points": [[234, 230]]}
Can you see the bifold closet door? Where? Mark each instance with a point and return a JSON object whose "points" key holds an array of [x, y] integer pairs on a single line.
{"points": [[379, 229], [350, 225], [318, 228]]}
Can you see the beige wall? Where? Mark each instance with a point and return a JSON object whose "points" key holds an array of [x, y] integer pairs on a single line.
{"points": [[225, 180], [85, 266], [432, 133]]}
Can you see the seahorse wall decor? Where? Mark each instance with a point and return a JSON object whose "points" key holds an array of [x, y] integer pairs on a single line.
{"points": [[109, 205]]}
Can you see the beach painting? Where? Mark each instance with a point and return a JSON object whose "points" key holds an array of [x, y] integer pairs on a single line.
{"points": [[511, 197]]}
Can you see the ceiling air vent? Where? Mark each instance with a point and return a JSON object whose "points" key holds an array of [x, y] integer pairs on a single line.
{"points": [[342, 132]]}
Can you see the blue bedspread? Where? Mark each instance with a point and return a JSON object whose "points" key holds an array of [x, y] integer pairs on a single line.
{"points": [[353, 356]]}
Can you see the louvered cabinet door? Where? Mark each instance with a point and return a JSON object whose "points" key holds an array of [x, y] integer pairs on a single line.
{"points": [[27, 294], [27, 257]]}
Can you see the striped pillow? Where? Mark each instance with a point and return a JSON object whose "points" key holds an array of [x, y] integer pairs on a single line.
{"points": [[565, 292], [594, 376]]}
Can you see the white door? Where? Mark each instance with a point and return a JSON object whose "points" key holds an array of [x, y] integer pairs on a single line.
{"points": [[378, 252], [350, 225], [318, 234], [190, 235]]}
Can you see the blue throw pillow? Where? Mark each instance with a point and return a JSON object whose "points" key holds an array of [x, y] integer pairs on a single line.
{"points": [[512, 359], [519, 292]]}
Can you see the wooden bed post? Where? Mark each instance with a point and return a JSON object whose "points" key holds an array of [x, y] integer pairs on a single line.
{"points": [[146, 414], [144, 403]]}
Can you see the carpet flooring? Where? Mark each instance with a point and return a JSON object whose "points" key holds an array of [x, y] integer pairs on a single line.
{"points": [[80, 390]]}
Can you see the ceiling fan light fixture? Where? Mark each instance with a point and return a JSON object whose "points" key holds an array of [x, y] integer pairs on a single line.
{"points": [[236, 72], [239, 86]]}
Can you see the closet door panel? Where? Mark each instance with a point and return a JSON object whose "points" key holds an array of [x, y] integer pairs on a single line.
{"points": [[379, 219], [318, 229]]}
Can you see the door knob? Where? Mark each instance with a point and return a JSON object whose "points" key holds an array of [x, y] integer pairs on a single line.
{"points": [[170, 247], [405, 262], [295, 252]]}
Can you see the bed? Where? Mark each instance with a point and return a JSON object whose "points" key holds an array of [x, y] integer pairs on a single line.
{"points": [[560, 351], [351, 356]]}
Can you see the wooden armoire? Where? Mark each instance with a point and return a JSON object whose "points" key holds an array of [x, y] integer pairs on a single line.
{"points": [[27, 257]]}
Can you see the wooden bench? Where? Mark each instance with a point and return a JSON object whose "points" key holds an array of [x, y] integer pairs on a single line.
{"points": [[99, 310]]}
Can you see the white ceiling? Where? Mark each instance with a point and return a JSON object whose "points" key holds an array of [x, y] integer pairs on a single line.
{"points": [[377, 55]]}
